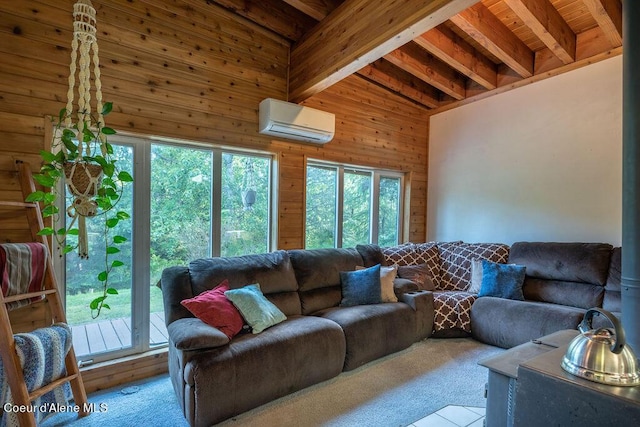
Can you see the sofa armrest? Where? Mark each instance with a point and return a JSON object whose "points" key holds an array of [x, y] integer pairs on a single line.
{"points": [[422, 303], [402, 286], [193, 334], [418, 299]]}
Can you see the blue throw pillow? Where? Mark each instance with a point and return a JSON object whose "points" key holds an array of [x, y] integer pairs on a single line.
{"points": [[361, 287], [502, 280], [257, 310]]}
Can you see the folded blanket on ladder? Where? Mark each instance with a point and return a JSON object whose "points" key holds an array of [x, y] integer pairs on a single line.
{"points": [[22, 270], [41, 353]]}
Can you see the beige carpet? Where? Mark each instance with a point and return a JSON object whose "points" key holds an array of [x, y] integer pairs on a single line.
{"points": [[394, 391]]}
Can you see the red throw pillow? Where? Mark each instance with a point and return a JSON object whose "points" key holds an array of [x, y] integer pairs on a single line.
{"points": [[215, 309]]}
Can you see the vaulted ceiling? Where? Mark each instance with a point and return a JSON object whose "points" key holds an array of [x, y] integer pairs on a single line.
{"points": [[437, 53]]}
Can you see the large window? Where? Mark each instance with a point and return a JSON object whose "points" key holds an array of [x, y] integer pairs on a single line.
{"points": [[346, 206], [186, 202]]}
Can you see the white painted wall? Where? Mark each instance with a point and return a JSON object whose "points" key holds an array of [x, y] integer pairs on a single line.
{"points": [[541, 163]]}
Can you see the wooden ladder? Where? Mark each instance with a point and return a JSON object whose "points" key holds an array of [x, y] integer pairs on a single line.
{"points": [[13, 371]]}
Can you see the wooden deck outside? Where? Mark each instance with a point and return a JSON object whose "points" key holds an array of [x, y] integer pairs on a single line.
{"points": [[109, 335]]}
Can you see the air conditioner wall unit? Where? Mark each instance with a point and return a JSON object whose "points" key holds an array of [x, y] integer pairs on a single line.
{"points": [[292, 121]]}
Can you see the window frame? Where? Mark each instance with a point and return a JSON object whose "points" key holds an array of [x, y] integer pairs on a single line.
{"points": [[374, 215], [141, 227]]}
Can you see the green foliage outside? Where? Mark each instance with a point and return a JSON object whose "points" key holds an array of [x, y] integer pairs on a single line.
{"points": [[321, 210], [180, 223], [389, 217], [356, 209], [245, 230]]}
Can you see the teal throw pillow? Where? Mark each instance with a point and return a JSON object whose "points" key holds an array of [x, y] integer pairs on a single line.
{"points": [[361, 287], [502, 280], [257, 310]]}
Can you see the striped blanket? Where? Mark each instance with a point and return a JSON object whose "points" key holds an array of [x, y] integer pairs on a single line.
{"points": [[22, 270], [41, 355]]}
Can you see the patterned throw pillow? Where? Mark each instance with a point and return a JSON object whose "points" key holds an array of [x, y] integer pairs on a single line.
{"points": [[419, 274], [257, 310], [456, 261]]}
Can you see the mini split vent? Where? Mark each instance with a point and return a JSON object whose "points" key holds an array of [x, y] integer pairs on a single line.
{"points": [[292, 121]]}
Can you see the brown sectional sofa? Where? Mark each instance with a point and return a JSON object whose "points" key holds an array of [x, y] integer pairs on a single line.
{"points": [[216, 378], [563, 280]]}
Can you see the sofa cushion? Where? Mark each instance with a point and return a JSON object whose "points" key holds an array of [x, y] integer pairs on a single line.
{"points": [[502, 280], [175, 283], [569, 262], [215, 309], [255, 369], [318, 274], [456, 261], [272, 270], [371, 255], [258, 311], [573, 294], [612, 288], [373, 331], [507, 323], [360, 286]]}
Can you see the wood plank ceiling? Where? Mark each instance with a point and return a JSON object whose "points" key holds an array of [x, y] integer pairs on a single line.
{"points": [[438, 53]]}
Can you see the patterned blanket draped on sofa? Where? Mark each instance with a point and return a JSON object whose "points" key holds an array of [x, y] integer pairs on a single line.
{"points": [[449, 267]]}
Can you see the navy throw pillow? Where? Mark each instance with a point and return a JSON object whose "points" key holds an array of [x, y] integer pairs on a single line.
{"points": [[361, 287], [502, 280]]}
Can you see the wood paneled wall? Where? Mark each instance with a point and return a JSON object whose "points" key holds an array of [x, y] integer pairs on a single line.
{"points": [[191, 70]]}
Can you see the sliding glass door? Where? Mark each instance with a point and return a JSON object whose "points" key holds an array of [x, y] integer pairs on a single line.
{"points": [[187, 201]]}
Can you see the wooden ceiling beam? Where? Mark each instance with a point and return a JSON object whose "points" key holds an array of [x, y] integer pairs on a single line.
{"points": [[483, 26], [386, 74], [358, 33], [608, 15], [450, 48], [317, 9], [281, 19], [548, 25], [417, 61]]}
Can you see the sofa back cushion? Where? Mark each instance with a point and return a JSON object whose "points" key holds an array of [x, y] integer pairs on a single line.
{"points": [[371, 255], [613, 288], [455, 273], [273, 271], [317, 272], [570, 274]]}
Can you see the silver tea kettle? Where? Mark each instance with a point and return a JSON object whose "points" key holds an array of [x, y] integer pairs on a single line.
{"points": [[601, 355]]}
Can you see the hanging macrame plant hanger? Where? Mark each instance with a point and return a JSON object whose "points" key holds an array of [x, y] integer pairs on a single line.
{"points": [[83, 178]]}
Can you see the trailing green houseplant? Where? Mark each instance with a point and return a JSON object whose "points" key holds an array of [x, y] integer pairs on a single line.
{"points": [[81, 155]]}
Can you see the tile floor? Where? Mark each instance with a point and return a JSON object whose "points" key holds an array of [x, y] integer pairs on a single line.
{"points": [[453, 416]]}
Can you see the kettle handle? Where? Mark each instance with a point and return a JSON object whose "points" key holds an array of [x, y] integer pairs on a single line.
{"points": [[585, 326]]}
